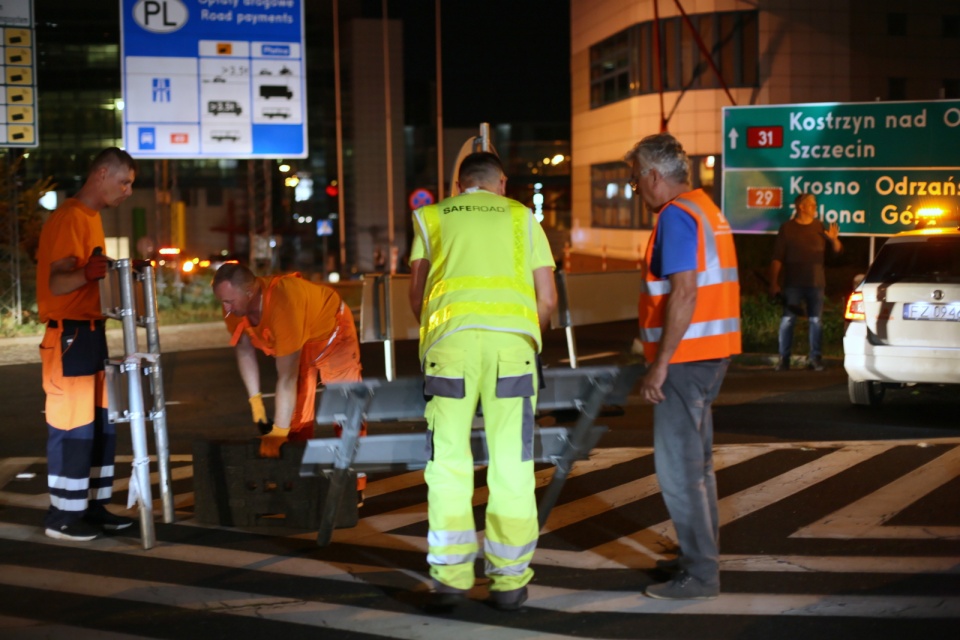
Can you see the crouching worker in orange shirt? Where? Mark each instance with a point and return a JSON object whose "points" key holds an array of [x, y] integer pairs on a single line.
{"points": [[305, 326]]}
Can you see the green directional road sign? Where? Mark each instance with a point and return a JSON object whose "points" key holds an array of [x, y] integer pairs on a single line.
{"points": [[862, 202], [871, 165]]}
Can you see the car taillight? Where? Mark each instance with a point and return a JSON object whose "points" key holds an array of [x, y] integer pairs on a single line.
{"points": [[854, 310]]}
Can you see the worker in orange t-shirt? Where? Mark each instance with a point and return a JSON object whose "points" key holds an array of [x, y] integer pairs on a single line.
{"points": [[306, 327], [81, 441]]}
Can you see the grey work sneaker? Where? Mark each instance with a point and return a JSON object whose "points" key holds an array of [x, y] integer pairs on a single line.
{"points": [[445, 599], [683, 587], [783, 364], [98, 516], [78, 531], [815, 363], [508, 600]]}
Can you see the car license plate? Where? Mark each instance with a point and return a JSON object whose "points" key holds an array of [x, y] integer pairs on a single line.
{"points": [[931, 311]]}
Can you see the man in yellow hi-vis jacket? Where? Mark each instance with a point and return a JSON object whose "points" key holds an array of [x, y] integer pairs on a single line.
{"points": [[482, 287]]}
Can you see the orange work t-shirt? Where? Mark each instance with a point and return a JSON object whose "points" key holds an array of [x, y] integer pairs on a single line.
{"points": [[74, 230], [295, 312]]}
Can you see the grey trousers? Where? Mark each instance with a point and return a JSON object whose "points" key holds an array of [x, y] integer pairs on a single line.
{"points": [[683, 456]]}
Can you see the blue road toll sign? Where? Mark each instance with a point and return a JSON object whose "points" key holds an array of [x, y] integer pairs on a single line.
{"points": [[214, 78], [871, 165]]}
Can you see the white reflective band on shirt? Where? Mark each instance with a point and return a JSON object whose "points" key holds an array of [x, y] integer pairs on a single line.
{"points": [[447, 538], [704, 279], [336, 332], [68, 484], [696, 329], [711, 257], [480, 326], [418, 217]]}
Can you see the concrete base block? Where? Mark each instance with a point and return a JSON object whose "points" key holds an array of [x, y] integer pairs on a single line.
{"points": [[235, 487]]}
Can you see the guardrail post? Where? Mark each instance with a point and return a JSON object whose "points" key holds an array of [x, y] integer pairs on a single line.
{"points": [[140, 474], [566, 321], [389, 348], [159, 413], [577, 443]]}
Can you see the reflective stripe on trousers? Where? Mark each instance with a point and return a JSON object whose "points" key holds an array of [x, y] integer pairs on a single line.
{"points": [[81, 442], [480, 359]]}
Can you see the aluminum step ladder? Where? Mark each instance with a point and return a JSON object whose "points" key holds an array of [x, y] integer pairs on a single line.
{"points": [[129, 295], [350, 404]]}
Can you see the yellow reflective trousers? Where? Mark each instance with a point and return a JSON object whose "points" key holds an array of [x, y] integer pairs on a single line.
{"points": [[498, 369]]}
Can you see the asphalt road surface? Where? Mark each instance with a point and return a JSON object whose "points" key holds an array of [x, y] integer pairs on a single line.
{"points": [[837, 522]]}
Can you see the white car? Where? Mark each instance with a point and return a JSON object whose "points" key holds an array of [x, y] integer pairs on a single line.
{"points": [[904, 317]]}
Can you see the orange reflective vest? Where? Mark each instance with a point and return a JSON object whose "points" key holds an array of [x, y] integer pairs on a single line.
{"points": [[714, 330]]}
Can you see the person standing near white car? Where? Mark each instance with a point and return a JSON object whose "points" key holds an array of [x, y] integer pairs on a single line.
{"points": [[798, 253]]}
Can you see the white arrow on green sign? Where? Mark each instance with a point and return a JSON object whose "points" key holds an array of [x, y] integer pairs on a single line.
{"points": [[857, 135]]}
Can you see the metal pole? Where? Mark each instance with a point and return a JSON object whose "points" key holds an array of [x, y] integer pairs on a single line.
{"points": [[440, 176], [388, 115], [389, 346], [140, 473], [337, 99], [268, 213], [252, 213], [571, 346], [704, 51], [659, 61], [159, 413], [15, 156], [484, 139]]}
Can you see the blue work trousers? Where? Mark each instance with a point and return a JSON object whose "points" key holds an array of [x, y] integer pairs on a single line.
{"points": [[795, 300]]}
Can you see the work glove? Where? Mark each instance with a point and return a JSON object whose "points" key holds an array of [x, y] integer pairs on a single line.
{"points": [[259, 413], [270, 444], [96, 267]]}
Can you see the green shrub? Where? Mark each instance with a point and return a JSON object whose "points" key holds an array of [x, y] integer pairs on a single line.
{"points": [[760, 326], [189, 302]]}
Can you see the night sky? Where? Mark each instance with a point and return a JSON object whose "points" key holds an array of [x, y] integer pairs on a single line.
{"points": [[503, 60]]}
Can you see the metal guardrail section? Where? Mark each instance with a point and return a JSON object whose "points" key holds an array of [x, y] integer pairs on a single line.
{"points": [[583, 298], [130, 296], [407, 451], [381, 401]]}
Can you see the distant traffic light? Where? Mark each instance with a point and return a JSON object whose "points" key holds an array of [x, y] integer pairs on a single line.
{"points": [[332, 189]]}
